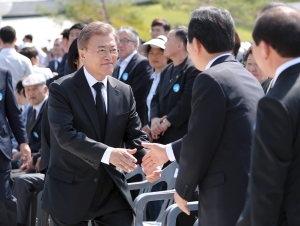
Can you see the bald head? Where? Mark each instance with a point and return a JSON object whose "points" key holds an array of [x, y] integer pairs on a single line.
{"points": [[280, 28]]}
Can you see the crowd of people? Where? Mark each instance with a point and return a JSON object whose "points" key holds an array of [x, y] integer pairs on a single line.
{"points": [[75, 119]]}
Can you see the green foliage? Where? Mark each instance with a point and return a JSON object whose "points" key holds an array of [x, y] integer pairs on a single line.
{"points": [[124, 12]]}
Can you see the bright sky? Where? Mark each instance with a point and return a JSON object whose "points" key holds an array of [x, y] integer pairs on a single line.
{"points": [[43, 29]]}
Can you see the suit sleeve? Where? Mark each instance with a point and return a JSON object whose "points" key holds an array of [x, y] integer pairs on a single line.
{"points": [[176, 146], [205, 128], [13, 113], [61, 123], [182, 111], [134, 136], [271, 158], [139, 85]]}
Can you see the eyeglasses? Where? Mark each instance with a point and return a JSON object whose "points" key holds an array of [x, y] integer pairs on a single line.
{"points": [[125, 41], [104, 52]]}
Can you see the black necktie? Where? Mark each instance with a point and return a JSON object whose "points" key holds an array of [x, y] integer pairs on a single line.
{"points": [[31, 123], [100, 105]]}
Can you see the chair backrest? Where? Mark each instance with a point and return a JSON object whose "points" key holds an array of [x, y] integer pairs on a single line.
{"points": [[168, 175], [137, 171], [196, 222], [172, 212]]}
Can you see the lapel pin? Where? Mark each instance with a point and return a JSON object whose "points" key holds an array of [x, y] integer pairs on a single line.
{"points": [[176, 88], [35, 134], [125, 76]]}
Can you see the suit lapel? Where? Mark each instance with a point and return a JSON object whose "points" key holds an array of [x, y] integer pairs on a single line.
{"points": [[175, 78], [29, 128], [116, 72], [85, 95], [128, 69], [113, 108], [40, 113]]}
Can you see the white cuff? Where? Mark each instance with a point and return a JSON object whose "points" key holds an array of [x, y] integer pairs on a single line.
{"points": [[170, 152], [106, 155]]}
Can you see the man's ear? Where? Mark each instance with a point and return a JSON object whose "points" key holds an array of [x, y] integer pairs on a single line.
{"points": [[265, 49], [196, 45], [81, 54]]}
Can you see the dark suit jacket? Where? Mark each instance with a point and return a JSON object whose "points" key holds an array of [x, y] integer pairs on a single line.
{"points": [[215, 153], [34, 132], [51, 66], [61, 68], [139, 72], [274, 176], [10, 115], [176, 105], [145, 121], [75, 157]]}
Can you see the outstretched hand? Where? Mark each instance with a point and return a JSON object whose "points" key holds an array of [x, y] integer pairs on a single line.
{"points": [[123, 159], [156, 157]]}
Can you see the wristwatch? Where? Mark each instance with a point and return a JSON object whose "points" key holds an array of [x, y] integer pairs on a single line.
{"points": [[167, 123]]}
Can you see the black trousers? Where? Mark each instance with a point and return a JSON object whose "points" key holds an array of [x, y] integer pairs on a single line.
{"points": [[117, 218], [8, 203]]}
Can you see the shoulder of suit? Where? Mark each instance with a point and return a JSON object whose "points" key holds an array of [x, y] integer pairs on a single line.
{"points": [[117, 83], [64, 78]]}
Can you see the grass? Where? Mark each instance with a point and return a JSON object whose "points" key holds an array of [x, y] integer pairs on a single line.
{"points": [[175, 17]]}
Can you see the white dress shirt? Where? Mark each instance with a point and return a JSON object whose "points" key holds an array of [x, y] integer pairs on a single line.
{"points": [[156, 79], [91, 81], [284, 66], [56, 61], [169, 149], [123, 63], [18, 65]]}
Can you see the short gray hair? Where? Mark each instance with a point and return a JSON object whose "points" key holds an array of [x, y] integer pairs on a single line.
{"points": [[131, 32], [95, 28]]}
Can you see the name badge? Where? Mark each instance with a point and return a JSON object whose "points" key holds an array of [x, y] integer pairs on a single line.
{"points": [[1, 96], [176, 88], [125, 76]]}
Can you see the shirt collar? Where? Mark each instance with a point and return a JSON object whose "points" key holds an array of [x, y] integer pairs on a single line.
{"points": [[92, 80], [8, 50], [213, 60], [284, 66], [39, 106], [127, 59], [155, 76]]}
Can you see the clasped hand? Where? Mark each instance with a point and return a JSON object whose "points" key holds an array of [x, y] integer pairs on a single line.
{"points": [[123, 159]]}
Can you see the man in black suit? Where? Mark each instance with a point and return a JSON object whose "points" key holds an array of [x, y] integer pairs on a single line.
{"points": [[273, 191], [10, 119], [171, 104], [91, 115], [133, 68], [215, 153], [36, 93], [58, 53]]}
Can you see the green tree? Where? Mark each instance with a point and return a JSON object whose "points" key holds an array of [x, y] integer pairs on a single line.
{"points": [[118, 12]]}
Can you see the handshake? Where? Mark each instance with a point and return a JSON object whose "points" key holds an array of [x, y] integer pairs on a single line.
{"points": [[157, 156]]}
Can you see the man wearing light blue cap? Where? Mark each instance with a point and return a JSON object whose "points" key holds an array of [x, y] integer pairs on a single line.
{"points": [[36, 93]]}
